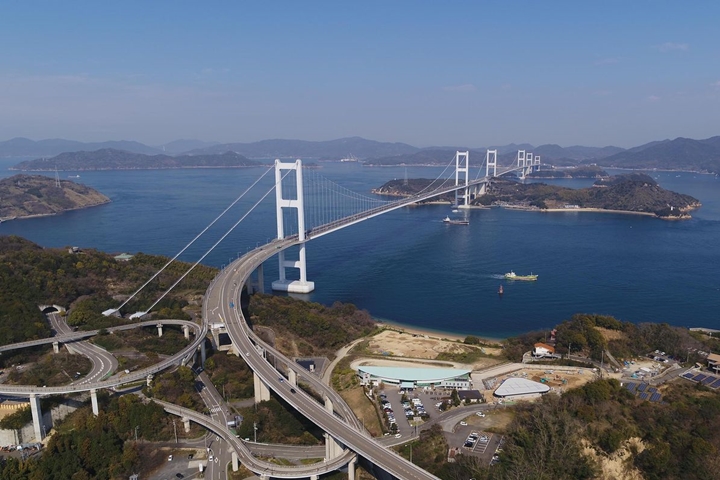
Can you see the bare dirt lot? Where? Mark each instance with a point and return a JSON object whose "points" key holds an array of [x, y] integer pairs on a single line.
{"points": [[393, 343]]}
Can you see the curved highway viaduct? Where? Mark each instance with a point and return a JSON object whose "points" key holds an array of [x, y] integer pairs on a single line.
{"points": [[35, 392], [225, 291]]}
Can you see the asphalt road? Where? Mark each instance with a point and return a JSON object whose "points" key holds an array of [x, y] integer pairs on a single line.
{"points": [[103, 362], [226, 291]]}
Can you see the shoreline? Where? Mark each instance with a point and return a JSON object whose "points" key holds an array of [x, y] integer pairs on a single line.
{"points": [[596, 210], [435, 334], [40, 215]]}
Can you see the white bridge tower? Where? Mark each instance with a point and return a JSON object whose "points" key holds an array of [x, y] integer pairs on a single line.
{"points": [[284, 284], [527, 163], [462, 160]]}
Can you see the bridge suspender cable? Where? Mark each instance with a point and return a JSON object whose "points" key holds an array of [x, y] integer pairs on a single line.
{"points": [[216, 243], [194, 239]]}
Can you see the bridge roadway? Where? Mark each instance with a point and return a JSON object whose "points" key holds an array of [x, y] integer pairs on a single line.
{"points": [[226, 289], [138, 375], [103, 362], [404, 202], [246, 457]]}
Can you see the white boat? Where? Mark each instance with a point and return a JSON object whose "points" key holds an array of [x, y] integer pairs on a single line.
{"points": [[450, 221], [349, 158]]}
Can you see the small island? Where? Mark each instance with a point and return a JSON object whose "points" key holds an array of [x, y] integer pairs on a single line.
{"points": [[113, 159], [629, 193], [582, 171], [24, 196]]}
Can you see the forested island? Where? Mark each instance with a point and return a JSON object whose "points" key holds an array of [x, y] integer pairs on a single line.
{"points": [[584, 171], [35, 195], [113, 159], [632, 193]]}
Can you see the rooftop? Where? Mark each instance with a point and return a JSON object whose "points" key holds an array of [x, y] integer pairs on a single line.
{"points": [[425, 374], [520, 386]]}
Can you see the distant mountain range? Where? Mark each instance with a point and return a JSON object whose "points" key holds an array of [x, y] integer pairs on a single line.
{"points": [[678, 154], [111, 159]]}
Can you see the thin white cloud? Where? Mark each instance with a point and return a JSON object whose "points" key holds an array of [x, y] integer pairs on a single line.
{"points": [[672, 47], [506, 86], [653, 98], [716, 84], [602, 93], [466, 87], [607, 61]]}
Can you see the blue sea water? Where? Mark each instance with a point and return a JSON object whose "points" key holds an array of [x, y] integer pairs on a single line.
{"points": [[407, 266]]}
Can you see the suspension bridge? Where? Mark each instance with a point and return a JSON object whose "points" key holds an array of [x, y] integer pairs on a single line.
{"points": [[308, 208]]}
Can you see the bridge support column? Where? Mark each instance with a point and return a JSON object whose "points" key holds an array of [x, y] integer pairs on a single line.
{"points": [[159, 327], [314, 477], [94, 402], [235, 463], [260, 279], [36, 416], [292, 377], [351, 468], [149, 380], [262, 392], [56, 347], [186, 424], [332, 448], [186, 332], [296, 202]]}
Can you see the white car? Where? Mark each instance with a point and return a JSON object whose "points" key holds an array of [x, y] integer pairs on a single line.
{"points": [[463, 424], [480, 414], [398, 435]]}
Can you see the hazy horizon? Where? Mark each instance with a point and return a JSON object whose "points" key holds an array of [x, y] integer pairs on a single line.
{"points": [[420, 73]]}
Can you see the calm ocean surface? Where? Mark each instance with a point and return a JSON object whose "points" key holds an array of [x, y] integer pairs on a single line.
{"points": [[408, 267]]}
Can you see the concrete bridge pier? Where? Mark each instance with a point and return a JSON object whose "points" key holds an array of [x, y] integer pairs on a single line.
{"points": [[351, 468], [186, 424], [159, 327], [36, 416], [186, 332], [292, 377], [56, 347], [260, 279], [333, 449], [235, 463], [94, 402], [149, 380], [262, 392]]}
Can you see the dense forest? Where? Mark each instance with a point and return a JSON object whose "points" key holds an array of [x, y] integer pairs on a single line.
{"points": [[590, 334], [308, 328], [87, 282], [90, 447]]}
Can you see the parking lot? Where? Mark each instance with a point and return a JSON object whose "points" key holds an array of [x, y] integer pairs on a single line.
{"points": [[426, 399], [475, 442]]}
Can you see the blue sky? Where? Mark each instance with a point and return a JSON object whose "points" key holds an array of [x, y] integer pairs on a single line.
{"points": [[458, 73]]}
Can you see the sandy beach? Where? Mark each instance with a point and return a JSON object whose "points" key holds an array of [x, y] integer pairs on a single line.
{"points": [[434, 334]]}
